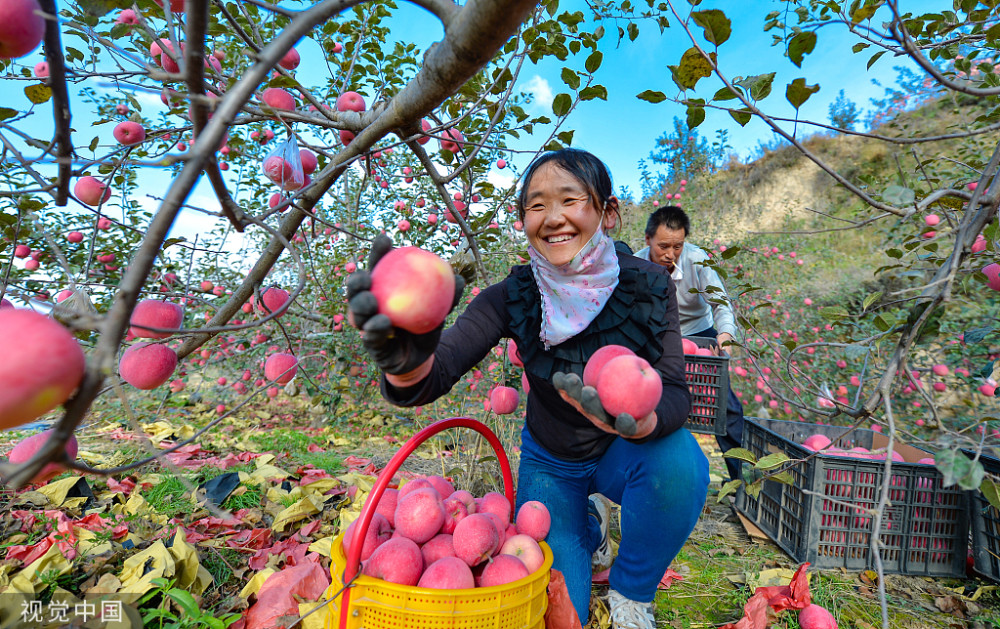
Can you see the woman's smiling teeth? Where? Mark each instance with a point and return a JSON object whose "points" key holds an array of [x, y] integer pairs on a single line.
{"points": [[556, 239]]}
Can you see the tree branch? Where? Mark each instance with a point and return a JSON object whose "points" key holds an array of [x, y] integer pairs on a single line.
{"points": [[60, 98]]}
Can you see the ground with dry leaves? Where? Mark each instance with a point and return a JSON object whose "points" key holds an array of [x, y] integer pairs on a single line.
{"points": [[252, 506]]}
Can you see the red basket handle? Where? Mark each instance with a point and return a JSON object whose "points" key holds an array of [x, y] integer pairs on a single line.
{"points": [[385, 477]]}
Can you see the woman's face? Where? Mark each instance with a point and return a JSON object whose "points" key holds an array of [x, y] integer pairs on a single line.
{"points": [[559, 214]]}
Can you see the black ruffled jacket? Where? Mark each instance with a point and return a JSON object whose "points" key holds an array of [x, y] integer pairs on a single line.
{"points": [[641, 314]]}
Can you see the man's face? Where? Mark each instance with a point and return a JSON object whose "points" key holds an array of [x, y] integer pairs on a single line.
{"points": [[665, 246]]}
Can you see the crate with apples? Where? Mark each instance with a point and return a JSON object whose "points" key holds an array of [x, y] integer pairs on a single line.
{"points": [[428, 555], [707, 377], [825, 515], [985, 522]]}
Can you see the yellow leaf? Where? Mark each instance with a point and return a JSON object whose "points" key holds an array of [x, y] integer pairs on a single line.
{"points": [[28, 580], [302, 509], [322, 546], [257, 580], [141, 568], [316, 618], [320, 486], [191, 576], [56, 490]]}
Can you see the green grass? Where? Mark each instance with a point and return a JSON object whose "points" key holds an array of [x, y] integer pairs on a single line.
{"points": [[293, 442], [167, 497], [249, 499]]}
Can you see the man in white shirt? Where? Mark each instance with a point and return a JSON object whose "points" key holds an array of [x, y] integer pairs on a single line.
{"points": [[666, 234]]}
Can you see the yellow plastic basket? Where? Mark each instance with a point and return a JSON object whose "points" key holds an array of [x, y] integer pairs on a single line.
{"points": [[376, 604]]}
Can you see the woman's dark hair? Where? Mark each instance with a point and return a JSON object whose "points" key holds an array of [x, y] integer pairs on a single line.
{"points": [[588, 169], [671, 217]]}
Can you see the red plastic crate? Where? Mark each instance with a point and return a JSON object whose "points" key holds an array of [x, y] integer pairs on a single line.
{"points": [[925, 528]]}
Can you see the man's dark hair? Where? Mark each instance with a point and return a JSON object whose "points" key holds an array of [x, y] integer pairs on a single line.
{"points": [[586, 167], [671, 217]]}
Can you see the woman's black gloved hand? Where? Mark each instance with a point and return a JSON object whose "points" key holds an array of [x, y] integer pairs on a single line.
{"points": [[394, 350], [586, 400]]}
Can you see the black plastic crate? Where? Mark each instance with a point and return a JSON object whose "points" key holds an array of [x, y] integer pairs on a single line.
{"points": [[708, 380], [985, 524], [823, 517]]}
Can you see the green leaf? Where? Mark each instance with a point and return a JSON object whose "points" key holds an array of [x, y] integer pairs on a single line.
{"points": [[899, 195], [7, 113], [38, 94], [695, 113], [651, 96], [801, 45], [730, 252], [742, 454], [100, 8], [784, 477], [185, 600], [561, 104], [855, 350], [871, 299], [990, 489], [729, 488], [759, 86], [976, 335], [593, 62], [633, 31], [894, 253], [570, 78], [717, 26], [798, 92], [753, 489], [834, 312], [725, 94], [594, 91], [862, 13], [959, 469], [772, 460], [741, 116], [856, 48], [875, 57], [881, 323], [692, 68]]}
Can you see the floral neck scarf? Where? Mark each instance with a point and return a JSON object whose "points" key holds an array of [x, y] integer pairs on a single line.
{"points": [[574, 294]]}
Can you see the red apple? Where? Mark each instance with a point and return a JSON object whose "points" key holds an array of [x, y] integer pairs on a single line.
{"points": [[45, 365], [414, 288], [350, 101], [21, 27], [4, 303], [503, 400], [691, 348], [281, 367], [452, 140], [501, 164], [147, 365], [816, 617], [992, 273], [291, 60], [278, 98], [42, 69], [176, 6], [437, 547], [419, 515], [152, 313], [379, 531], [816, 442], [454, 512], [74, 237], [525, 548], [496, 503], [127, 16], [26, 448], [91, 191], [396, 561], [475, 539], [628, 384], [600, 358], [272, 299], [503, 569], [22, 251], [129, 133], [467, 498], [447, 573], [309, 162], [533, 519]]}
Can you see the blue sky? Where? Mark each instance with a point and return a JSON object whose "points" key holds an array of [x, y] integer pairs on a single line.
{"points": [[623, 129]]}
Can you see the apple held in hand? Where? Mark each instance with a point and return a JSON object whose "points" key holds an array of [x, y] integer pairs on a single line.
{"points": [[600, 358], [629, 384], [414, 288], [45, 365], [26, 448]]}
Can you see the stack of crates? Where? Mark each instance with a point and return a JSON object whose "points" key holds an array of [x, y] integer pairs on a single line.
{"points": [[824, 516], [708, 380]]}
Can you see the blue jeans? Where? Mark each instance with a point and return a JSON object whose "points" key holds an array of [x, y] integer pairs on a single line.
{"points": [[661, 486]]}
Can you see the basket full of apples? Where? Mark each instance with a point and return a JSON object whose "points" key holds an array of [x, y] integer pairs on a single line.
{"points": [[426, 555], [707, 378]]}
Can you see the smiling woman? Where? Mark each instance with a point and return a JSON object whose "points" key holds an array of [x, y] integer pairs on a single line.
{"points": [[578, 294]]}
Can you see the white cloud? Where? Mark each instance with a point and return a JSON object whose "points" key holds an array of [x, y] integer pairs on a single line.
{"points": [[541, 92]]}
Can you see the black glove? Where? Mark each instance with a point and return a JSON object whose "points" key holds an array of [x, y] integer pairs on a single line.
{"points": [[394, 350], [591, 403]]}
